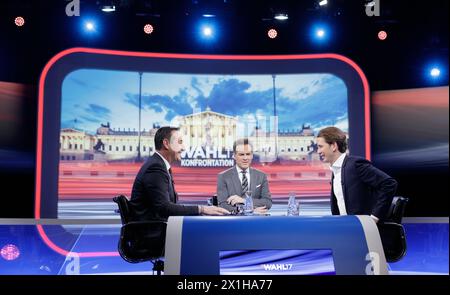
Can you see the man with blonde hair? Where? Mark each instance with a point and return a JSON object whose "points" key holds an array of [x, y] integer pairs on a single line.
{"points": [[358, 188]]}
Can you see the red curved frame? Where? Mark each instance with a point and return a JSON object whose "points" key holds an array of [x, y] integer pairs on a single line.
{"points": [[37, 210]]}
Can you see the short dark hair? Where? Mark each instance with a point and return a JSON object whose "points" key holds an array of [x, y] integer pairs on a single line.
{"points": [[334, 135], [241, 141], [163, 133]]}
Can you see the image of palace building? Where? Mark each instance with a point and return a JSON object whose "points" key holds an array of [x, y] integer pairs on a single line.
{"points": [[208, 130]]}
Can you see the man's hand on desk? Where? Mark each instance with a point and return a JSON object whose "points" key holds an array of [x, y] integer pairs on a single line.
{"points": [[235, 199], [260, 210], [213, 210]]}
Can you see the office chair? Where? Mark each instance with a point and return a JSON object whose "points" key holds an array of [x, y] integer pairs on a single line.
{"points": [[392, 232], [397, 209], [140, 240]]}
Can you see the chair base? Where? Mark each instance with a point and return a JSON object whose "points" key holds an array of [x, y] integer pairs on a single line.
{"points": [[158, 266]]}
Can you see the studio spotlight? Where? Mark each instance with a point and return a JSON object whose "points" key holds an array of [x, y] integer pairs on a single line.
{"points": [[148, 29], [272, 33], [19, 21], [281, 16], [10, 252], [382, 35], [207, 31], [323, 2], [435, 72], [89, 26], [320, 33], [108, 8]]}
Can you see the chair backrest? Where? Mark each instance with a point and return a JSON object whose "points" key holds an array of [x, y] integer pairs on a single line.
{"points": [[392, 232], [142, 241], [393, 238], [124, 208], [397, 209]]}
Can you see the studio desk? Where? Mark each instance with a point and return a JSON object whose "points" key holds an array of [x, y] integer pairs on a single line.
{"points": [[342, 245]]}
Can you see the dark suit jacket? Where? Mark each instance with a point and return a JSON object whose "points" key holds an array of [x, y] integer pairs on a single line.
{"points": [[367, 190], [228, 184], [153, 196]]}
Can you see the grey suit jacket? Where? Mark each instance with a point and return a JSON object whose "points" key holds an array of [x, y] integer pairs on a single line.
{"points": [[228, 184]]}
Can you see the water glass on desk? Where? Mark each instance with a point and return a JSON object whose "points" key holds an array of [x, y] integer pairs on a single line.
{"points": [[293, 206], [248, 205]]}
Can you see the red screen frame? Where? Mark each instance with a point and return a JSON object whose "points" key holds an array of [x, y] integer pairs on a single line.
{"points": [[172, 56]]}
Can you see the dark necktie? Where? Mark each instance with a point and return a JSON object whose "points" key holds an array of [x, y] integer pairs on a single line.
{"points": [[244, 181], [173, 185]]}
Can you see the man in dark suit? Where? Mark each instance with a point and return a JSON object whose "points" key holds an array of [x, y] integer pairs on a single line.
{"points": [[234, 182], [153, 195], [357, 186]]}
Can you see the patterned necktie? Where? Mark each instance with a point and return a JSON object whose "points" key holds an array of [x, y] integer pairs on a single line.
{"points": [[244, 181]]}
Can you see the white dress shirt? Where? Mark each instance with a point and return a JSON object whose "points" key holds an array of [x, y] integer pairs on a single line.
{"points": [[165, 162], [337, 186], [247, 174], [337, 183]]}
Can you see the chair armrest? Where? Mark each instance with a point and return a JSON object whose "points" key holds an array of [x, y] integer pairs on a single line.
{"points": [[388, 223]]}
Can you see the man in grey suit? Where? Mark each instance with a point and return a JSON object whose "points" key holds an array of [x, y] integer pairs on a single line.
{"points": [[234, 182]]}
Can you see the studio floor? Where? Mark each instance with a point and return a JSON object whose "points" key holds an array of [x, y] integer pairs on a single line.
{"points": [[80, 246]]}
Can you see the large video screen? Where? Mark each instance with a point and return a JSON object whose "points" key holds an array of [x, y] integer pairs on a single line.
{"points": [[410, 142], [99, 111], [103, 144], [277, 262]]}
